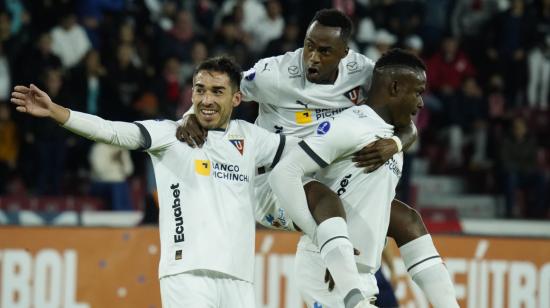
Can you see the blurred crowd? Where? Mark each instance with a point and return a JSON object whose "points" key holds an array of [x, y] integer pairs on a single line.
{"points": [[486, 115]]}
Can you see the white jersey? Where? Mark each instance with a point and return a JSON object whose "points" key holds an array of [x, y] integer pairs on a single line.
{"points": [[290, 104], [367, 197], [206, 196]]}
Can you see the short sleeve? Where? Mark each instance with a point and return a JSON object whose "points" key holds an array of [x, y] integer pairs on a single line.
{"points": [[260, 83], [269, 147], [158, 134], [332, 139]]}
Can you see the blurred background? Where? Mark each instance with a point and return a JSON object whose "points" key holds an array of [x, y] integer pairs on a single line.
{"points": [[481, 164]]}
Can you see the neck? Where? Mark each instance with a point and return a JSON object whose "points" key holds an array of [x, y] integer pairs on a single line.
{"points": [[379, 104]]}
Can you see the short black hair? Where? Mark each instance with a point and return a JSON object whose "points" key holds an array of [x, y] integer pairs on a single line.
{"points": [[222, 64], [335, 18], [400, 57]]}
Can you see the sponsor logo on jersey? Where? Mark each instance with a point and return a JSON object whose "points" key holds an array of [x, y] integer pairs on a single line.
{"points": [[278, 129], [394, 167], [343, 184], [303, 116], [355, 95], [228, 172], [202, 167], [239, 144], [265, 68], [250, 74], [352, 67], [327, 113], [294, 71], [178, 215], [323, 128]]}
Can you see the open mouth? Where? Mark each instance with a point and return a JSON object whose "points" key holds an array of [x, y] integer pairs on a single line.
{"points": [[312, 71]]}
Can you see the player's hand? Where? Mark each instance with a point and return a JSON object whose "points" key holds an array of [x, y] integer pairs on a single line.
{"points": [[375, 154], [191, 132], [328, 276], [31, 100]]}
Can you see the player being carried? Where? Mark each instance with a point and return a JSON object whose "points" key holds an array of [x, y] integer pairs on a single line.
{"points": [[399, 78], [205, 195], [296, 92]]}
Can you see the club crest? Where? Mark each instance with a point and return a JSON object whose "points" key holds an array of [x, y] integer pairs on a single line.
{"points": [[239, 144]]}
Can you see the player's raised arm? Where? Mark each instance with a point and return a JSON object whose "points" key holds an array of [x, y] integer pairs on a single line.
{"points": [[33, 101]]}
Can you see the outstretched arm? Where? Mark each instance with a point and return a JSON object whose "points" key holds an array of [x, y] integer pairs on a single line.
{"points": [[33, 101]]}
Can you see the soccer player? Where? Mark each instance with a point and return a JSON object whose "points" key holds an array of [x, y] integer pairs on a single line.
{"points": [[205, 195], [296, 92], [399, 78]]}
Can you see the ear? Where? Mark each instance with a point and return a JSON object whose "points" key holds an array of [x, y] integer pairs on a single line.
{"points": [[237, 97], [395, 88]]}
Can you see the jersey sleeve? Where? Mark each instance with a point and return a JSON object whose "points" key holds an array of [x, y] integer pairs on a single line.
{"points": [[260, 83], [331, 140], [269, 147], [158, 134]]}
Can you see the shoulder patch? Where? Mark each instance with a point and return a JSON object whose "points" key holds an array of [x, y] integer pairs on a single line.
{"points": [[250, 74], [356, 96], [323, 128]]}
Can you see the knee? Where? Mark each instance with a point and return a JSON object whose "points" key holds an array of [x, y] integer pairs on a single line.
{"points": [[323, 203], [406, 224]]}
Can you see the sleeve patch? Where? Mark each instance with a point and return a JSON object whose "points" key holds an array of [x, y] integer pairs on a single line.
{"points": [[323, 128]]}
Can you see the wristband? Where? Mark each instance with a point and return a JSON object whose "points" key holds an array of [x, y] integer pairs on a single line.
{"points": [[398, 142]]}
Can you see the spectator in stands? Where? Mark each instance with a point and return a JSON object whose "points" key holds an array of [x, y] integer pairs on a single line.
{"points": [[269, 28], [447, 68], [247, 13], [178, 40], [469, 20], [168, 88], [90, 13], [9, 146], [69, 40], [518, 158], [127, 82], [11, 44], [383, 41], [435, 22], [88, 85], [538, 87], [290, 40], [51, 142], [5, 76], [468, 125], [508, 39], [110, 168], [414, 44], [199, 52], [39, 59], [230, 40]]}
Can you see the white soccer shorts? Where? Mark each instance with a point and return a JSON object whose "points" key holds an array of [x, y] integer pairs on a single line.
{"points": [[310, 279], [205, 289]]}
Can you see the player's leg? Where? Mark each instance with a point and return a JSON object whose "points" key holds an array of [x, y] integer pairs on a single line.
{"points": [[190, 289], [309, 269], [420, 256], [333, 240]]}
